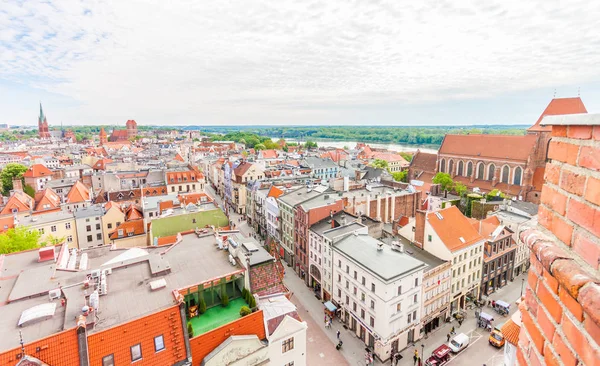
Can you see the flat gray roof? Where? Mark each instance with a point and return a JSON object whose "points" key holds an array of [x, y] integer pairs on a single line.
{"points": [[191, 261], [387, 264], [45, 218], [298, 196], [341, 230], [90, 211], [429, 259]]}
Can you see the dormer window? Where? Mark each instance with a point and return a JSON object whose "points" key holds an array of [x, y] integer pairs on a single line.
{"points": [[120, 232], [130, 233]]}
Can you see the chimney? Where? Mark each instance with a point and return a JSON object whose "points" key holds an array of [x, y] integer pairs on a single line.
{"points": [[17, 184], [420, 219]]}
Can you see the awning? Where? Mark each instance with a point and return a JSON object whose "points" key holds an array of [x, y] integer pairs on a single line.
{"points": [[486, 316], [503, 304], [329, 305]]}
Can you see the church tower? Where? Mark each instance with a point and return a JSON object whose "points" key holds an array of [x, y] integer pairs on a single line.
{"points": [[103, 137], [131, 126], [43, 132]]}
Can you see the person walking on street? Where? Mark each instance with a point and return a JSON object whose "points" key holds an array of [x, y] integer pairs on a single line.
{"points": [[452, 331], [416, 356], [448, 337], [338, 334]]}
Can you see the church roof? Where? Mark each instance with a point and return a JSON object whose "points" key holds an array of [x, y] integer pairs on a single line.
{"points": [[558, 106], [503, 147]]}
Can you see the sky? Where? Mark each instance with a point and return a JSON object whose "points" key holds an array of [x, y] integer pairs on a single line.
{"points": [[335, 62]]}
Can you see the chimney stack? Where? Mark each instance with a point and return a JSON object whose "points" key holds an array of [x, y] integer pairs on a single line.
{"points": [[420, 228], [17, 184]]}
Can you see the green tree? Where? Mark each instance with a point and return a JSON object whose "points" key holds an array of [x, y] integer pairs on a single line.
{"points": [[258, 147], [400, 176], [407, 156], [53, 240], [244, 310], [378, 163], [190, 330], [444, 180], [18, 239], [10, 171], [225, 300], [29, 190], [310, 145], [252, 301], [201, 304], [460, 189]]}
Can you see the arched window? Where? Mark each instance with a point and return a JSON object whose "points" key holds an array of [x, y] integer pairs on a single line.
{"points": [[443, 166], [505, 173], [450, 166], [469, 169], [517, 176], [491, 171], [480, 171], [460, 168]]}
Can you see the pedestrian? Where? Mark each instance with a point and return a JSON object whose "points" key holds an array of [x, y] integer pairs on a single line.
{"points": [[416, 356], [448, 337], [452, 330], [338, 334], [460, 322]]}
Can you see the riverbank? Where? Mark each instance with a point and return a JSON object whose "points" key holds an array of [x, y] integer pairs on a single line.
{"points": [[351, 144]]}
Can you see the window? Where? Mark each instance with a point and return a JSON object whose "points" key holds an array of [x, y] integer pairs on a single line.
{"points": [[409, 318], [469, 169], [491, 171], [372, 321], [354, 291], [362, 313], [41, 231], [339, 263], [347, 284], [88, 228], [362, 296], [372, 287], [415, 298], [354, 306], [399, 290], [364, 281], [505, 172], [517, 176], [67, 225], [89, 238], [372, 304], [108, 360], [339, 277], [53, 228], [416, 282], [70, 239], [109, 225], [287, 345], [460, 168], [443, 166], [428, 237], [347, 269], [415, 315], [87, 220], [159, 343], [398, 307], [347, 300], [339, 293], [98, 236], [136, 352], [450, 166], [97, 226]]}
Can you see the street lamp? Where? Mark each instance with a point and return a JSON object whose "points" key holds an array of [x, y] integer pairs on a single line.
{"points": [[422, 350], [522, 283]]}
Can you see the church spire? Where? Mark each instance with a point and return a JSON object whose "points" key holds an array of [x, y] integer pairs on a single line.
{"points": [[42, 118]]}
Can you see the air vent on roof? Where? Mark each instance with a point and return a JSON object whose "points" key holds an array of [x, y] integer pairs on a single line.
{"points": [[439, 215], [462, 240], [158, 284]]}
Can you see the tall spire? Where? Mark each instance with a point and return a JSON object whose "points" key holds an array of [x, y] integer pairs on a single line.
{"points": [[41, 113]]}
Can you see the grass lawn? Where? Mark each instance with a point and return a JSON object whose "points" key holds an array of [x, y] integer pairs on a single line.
{"points": [[217, 316], [172, 225]]}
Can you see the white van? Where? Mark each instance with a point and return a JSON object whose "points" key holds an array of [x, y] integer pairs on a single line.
{"points": [[459, 342]]}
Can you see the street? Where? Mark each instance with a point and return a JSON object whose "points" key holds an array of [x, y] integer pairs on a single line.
{"points": [[321, 341]]}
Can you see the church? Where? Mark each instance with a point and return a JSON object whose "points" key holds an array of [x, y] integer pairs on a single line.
{"points": [[512, 164], [43, 132], [127, 134]]}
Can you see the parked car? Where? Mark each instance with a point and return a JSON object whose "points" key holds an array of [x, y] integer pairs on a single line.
{"points": [[439, 357], [497, 338], [459, 342]]}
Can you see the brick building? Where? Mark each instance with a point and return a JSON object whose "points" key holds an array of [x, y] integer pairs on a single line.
{"points": [[382, 203], [561, 311], [422, 166], [512, 164]]}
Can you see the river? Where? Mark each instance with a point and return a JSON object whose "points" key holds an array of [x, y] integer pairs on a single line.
{"points": [[352, 144]]}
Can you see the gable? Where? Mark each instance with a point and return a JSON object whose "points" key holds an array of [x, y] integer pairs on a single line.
{"points": [[288, 327]]}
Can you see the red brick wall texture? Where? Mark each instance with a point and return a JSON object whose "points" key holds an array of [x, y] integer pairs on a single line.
{"points": [[561, 311]]}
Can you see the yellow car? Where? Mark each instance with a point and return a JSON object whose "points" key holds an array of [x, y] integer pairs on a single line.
{"points": [[496, 338]]}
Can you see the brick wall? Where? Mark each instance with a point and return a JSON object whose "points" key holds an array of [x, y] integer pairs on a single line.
{"points": [[561, 311]]}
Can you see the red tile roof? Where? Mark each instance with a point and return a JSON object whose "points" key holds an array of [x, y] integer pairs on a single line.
{"points": [[265, 279], [164, 205], [59, 349], [19, 201], [101, 164], [7, 222], [78, 193], [273, 323], [136, 227], [166, 240], [390, 157], [133, 213], [111, 204], [46, 200], [36, 171], [242, 168], [424, 161], [489, 146], [453, 226], [194, 198], [178, 157], [558, 106], [187, 176], [268, 154], [510, 330]]}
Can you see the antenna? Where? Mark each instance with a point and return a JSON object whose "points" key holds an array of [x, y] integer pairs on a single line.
{"points": [[578, 91], [554, 94], [22, 344]]}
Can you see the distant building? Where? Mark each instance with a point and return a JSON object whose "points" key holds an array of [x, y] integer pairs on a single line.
{"points": [[43, 132], [127, 134]]}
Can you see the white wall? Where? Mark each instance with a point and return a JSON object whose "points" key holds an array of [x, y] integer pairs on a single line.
{"points": [[289, 328]]}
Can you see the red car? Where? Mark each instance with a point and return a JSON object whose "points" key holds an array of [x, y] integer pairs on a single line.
{"points": [[439, 357]]}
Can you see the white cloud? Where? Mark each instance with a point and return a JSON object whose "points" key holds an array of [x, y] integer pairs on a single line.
{"points": [[189, 62]]}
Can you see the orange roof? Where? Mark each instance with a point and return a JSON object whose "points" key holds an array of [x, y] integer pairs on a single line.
{"points": [[390, 157], [558, 106], [489, 146], [178, 157], [453, 226], [36, 171], [274, 192], [166, 240], [19, 201], [78, 193], [56, 349], [133, 213], [194, 198], [101, 164], [510, 330], [164, 205], [487, 226], [188, 176], [424, 161], [268, 154], [46, 200], [111, 204], [134, 227]]}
